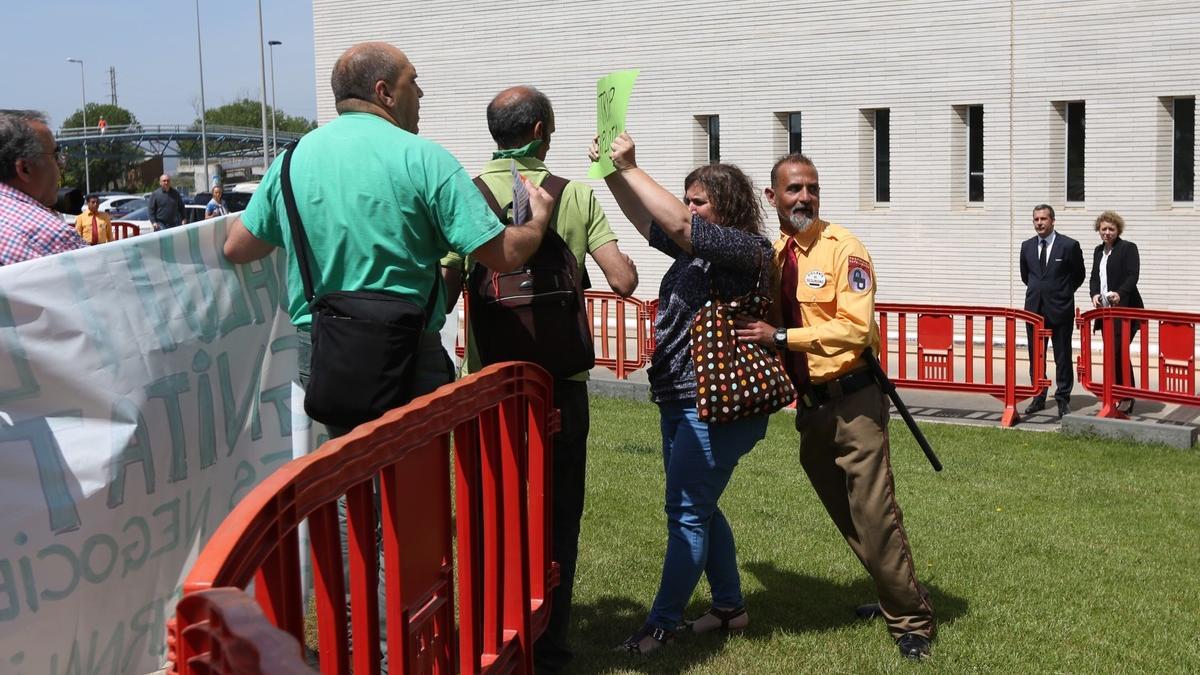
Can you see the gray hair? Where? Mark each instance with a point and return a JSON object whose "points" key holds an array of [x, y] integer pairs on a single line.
{"points": [[360, 67], [1044, 207], [18, 140], [511, 120]]}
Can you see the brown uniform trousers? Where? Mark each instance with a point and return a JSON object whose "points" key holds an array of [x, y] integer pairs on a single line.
{"points": [[844, 450]]}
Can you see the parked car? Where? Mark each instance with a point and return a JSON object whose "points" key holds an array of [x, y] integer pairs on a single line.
{"points": [[107, 204], [127, 207], [139, 217], [194, 212], [234, 201]]}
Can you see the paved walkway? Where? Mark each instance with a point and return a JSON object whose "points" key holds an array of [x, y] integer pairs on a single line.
{"points": [[953, 407]]}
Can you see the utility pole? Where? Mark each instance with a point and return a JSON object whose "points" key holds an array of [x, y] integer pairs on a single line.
{"points": [[87, 172], [262, 73], [203, 121], [112, 83]]}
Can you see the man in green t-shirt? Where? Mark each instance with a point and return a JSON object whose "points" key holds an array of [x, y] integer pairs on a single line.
{"points": [[521, 121], [380, 207]]}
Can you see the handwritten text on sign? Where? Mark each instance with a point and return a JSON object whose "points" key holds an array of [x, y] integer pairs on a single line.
{"points": [[612, 102]]}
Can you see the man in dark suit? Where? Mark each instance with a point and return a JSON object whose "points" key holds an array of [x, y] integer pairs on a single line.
{"points": [[1052, 270]]}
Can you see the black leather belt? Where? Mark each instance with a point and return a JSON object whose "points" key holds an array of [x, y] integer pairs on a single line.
{"points": [[820, 394]]}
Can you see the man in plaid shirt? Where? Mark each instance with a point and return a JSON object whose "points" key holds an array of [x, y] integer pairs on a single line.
{"points": [[30, 166]]}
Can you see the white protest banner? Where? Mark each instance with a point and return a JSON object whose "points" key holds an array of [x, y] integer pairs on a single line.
{"points": [[145, 387]]}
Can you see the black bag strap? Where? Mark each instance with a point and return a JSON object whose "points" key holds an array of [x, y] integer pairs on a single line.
{"points": [[300, 239]]}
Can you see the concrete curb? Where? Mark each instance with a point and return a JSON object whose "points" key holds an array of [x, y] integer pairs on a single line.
{"points": [[1174, 435]]}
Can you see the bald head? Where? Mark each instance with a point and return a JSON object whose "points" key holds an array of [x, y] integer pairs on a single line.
{"points": [[361, 66], [377, 78], [513, 114]]}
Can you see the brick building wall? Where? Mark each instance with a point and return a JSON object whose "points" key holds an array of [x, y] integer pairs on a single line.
{"points": [[835, 61]]}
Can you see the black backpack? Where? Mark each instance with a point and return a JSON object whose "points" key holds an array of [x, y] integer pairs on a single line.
{"points": [[537, 312]]}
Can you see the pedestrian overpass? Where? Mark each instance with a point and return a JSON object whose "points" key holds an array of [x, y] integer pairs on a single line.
{"points": [[165, 140]]}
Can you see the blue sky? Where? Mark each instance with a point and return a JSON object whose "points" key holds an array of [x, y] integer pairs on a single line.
{"points": [[153, 47]]}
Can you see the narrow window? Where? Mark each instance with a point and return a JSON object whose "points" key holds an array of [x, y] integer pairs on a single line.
{"points": [[1183, 175], [975, 153], [1075, 150], [883, 156], [714, 139], [794, 136]]}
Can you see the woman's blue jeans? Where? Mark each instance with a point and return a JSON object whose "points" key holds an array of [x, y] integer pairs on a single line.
{"points": [[699, 459]]}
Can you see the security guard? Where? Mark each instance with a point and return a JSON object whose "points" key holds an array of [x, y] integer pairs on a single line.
{"points": [[827, 306]]}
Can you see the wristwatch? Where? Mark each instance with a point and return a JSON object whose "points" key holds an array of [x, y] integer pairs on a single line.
{"points": [[781, 339]]}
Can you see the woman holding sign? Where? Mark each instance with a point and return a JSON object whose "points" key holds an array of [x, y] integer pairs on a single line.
{"points": [[719, 252]]}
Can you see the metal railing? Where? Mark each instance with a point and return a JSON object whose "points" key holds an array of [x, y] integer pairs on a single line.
{"points": [[1169, 376], [942, 366]]}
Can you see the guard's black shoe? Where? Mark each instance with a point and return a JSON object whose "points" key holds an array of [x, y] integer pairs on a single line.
{"points": [[1063, 408], [871, 610], [913, 646], [1036, 405]]}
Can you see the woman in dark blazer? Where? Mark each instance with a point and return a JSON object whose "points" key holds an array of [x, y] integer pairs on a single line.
{"points": [[1115, 267]]}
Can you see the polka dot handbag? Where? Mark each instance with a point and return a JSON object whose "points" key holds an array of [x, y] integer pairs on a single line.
{"points": [[735, 379]]}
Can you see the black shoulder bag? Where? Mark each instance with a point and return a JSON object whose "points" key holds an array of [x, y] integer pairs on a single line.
{"points": [[364, 343]]}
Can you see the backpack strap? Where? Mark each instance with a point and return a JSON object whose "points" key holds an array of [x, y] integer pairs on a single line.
{"points": [[554, 185], [490, 198]]}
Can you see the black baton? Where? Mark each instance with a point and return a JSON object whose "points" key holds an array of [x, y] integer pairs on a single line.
{"points": [[890, 389]]}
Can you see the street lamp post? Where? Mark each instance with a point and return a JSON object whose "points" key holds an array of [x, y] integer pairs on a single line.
{"points": [[262, 73], [203, 121], [274, 140], [87, 174]]}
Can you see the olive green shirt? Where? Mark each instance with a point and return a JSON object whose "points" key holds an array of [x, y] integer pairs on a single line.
{"points": [[578, 219]]}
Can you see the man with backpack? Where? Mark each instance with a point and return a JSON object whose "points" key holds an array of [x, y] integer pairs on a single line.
{"points": [[537, 314]]}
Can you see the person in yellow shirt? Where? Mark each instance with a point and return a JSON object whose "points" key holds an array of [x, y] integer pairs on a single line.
{"points": [[826, 292], [94, 225]]}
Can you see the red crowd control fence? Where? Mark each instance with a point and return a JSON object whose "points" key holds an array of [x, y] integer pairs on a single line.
{"points": [[948, 357], [228, 627], [612, 317], [502, 421], [1170, 378]]}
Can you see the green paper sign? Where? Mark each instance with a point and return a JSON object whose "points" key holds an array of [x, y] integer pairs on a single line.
{"points": [[612, 101]]}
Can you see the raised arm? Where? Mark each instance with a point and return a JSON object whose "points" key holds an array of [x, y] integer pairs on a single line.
{"points": [[641, 198]]}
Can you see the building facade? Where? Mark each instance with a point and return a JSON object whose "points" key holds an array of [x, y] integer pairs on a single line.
{"points": [[936, 124]]}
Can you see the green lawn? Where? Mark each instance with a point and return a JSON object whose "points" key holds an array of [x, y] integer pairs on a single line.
{"points": [[1042, 553]]}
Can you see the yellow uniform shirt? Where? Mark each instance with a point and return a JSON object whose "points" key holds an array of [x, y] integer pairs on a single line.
{"points": [[836, 292], [83, 225]]}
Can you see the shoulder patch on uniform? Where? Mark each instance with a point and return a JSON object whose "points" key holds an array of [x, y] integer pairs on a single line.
{"points": [[858, 272]]}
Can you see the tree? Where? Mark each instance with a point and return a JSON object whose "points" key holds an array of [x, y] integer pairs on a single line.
{"points": [[247, 113], [108, 160]]}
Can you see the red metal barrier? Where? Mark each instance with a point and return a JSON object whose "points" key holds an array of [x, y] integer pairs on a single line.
{"points": [[940, 367], [229, 635], [614, 351], [502, 421], [1173, 336]]}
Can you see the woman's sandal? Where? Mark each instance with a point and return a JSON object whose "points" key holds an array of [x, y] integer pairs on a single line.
{"points": [[659, 638], [726, 617]]}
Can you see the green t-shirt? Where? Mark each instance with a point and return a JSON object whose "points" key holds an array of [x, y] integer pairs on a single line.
{"points": [[380, 207], [579, 220]]}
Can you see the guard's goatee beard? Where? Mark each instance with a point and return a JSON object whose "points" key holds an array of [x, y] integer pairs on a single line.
{"points": [[801, 222]]}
